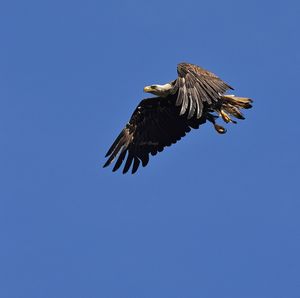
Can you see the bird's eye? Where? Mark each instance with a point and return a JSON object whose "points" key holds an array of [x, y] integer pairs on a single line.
{"points": [[152, 86]]}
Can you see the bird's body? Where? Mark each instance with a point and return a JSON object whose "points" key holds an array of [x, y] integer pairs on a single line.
{"points": [[195, 97]]}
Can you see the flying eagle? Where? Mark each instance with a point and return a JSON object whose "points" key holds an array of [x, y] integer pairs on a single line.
{"points": [[195, 97]]}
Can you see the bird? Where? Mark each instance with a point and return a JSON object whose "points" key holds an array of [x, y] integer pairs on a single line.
{"points": [[197, 96]]}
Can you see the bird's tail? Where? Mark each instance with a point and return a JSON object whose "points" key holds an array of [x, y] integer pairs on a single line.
{"points": [[229, 105], [232, 105]]}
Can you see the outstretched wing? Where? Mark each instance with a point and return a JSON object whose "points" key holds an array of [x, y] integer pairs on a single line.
{"points": [[154, 124], [197, 88]]}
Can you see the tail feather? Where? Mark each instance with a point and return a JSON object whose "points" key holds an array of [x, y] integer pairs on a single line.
{"points": [[239, 102], [232, 105]]}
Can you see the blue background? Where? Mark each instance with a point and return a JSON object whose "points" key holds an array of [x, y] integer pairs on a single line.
{"points": [[212, 216]]}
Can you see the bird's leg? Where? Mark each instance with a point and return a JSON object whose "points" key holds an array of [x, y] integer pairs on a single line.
{"points": [[220, 129]]}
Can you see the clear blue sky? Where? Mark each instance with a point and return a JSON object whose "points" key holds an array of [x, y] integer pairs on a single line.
{"points": [[212, 216]]}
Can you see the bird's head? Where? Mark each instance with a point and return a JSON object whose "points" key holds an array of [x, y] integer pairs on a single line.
{"points": [[159, 90], [151, 89]]}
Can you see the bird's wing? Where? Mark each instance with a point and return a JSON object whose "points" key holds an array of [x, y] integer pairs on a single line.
{"points": [[154, 124], [197, 88]]}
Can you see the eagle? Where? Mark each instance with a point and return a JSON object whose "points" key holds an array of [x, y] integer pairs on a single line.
{"points": [[197, 96]]}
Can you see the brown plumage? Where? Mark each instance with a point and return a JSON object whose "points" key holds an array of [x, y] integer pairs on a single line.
{"points": [[189, 101], [197, 87]]}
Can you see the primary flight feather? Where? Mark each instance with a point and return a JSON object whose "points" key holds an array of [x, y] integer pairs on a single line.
{"points": [[195, 97]]}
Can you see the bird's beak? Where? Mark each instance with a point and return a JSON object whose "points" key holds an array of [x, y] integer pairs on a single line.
{"points": [[147, 89]]}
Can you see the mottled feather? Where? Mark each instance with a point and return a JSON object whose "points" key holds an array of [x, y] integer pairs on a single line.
{"points": [[197, 87]]}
